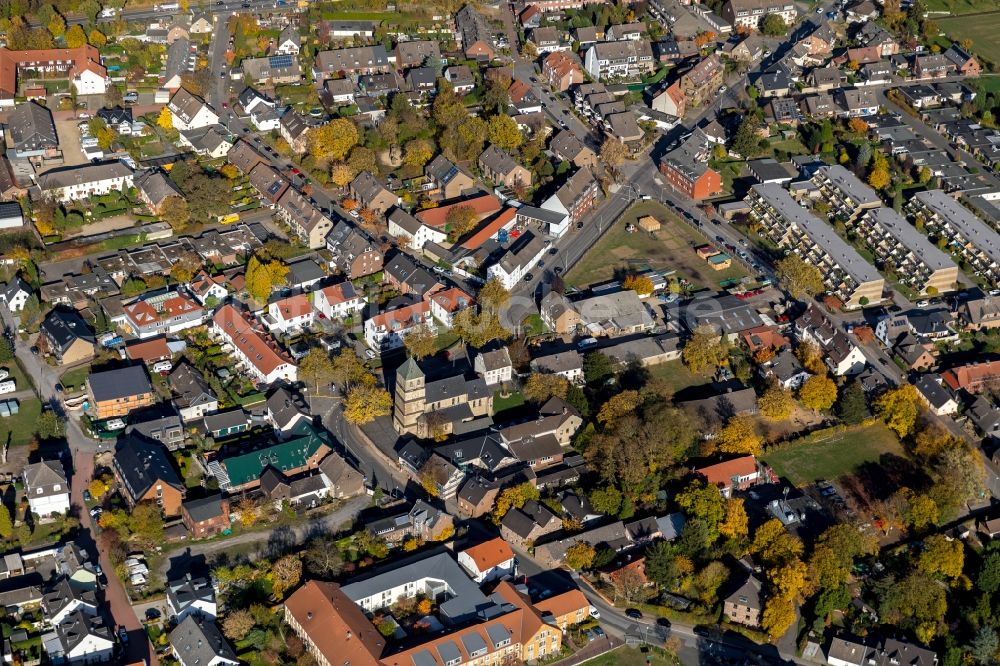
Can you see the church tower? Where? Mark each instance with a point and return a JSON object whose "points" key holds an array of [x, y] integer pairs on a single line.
{"points": [[409, 399]]}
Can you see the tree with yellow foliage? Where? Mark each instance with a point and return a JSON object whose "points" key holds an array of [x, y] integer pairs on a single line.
{"points": [[818, 393], [513, 497], [704, 350], [811, 358], [366, 403], [776, 403], [734, 523], [774, 544], [97, 38], [899, 408], [618, 406], [341, 174], [942, 558], [779, 614], [165, 119], [580, 556], [333, 140], [740, 436], [97, 489]]}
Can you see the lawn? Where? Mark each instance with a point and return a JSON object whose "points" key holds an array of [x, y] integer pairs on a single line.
{"points": [[626, 656], [676, 375], [20, 429], [982, 29], [21, 380], [670, 248], [501, 404], [987, 84], [72, 379], [829, 456], [960, 6]]}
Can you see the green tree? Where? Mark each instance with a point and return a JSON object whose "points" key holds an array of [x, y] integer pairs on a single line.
{"points": [[50, 425], [704, 502], [317, 368], [146, 523], [774, 26], [985, 646], [606, 500], [460, 220], [6, 350], [799, 277], [746, 142], [853, 405], [175, 212], [596, 367]]}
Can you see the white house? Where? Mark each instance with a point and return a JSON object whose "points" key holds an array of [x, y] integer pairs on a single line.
{"points": [[11, 216], [81, 639], [338, 301], [288, 314], [448, 303], [265, 119], [518, 261], [90, 79], [494, 366], [386, 331], [15, 294], [46, 488], [74, 183], [191, 596], [488, 561], [64, 599], [189, 111], [404, 225], [204, 286], [255, 350]]}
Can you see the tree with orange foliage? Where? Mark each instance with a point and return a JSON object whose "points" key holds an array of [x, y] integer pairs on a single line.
{"points": [[857, 126], [350, 204], [367, 215], [703, 39]]}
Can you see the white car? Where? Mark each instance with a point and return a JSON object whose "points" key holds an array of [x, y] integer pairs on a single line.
{"points": [[355, 214], [923, 304], [722, 89], [594, 613], [369, 354]]}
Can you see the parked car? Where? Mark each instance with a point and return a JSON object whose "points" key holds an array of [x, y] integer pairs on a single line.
{"points": [[633, 613], [594, 613], [369, 354]]}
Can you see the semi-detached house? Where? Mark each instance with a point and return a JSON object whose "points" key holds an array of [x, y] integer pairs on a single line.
{"points": [[338, 301], [255, 350], [306, 221], [386, 331], [188, 111], [160, 313]]}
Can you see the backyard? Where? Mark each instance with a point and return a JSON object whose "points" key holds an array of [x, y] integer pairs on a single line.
{"points": [[829, 455], [75, 379], [19, 429], [677, 376], [670, 248], [982, 29]]}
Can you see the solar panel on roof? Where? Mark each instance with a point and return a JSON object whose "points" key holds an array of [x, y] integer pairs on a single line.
{"points": [[280, 61]]}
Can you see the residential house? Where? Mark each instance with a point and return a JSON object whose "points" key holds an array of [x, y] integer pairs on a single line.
{"points": [[745, 605], [450, 180], [476, 497], [416, 234], [144, 473], [31, 131], [736, 474], [841, 355], [561, 70], [520, 258], [353, 252], [307, 222], [341, 479], [75, 183], [272, 70], [160, 313], [206, 517], [964, 62], [565, 146], [499, 167], [488, 561], [565, 610], [972, 377], [188, 111], [67, 337], [198, 642], [46, 488], [686, 167], [626, 59], [566, 364], [15, 293], [670, 100], [359, 60], [372, 194], [414, 53], [191, 596], [750, 13], [191, 394], [386, 331], [932, 66], [338, 301], [255, 350], [154, 188], [523, 527], [117, 392], [461, 79], [494, 367], [80, 639], [294, 128], [449, 302], [475, 34], [936, 396], [576, 197], [702, 82], [225, 424]]}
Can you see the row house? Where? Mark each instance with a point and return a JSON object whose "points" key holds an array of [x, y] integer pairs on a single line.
{"points": [[967, 236], [358, 60], [255, 350], [74, 183], [917, 262], [845, 272], [846, 194], [306, 220], [353, 252]]}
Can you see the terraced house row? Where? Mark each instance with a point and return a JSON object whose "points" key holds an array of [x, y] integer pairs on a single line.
{"points": [[967, 236], [789, 225]]}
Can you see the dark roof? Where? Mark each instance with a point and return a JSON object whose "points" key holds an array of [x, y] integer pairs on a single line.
{"points": [[119, 383], [748, 594], [64, 327], [305, 270], [189, 387], [205, 508], [221, 420], [141, 463], [199, 641]]}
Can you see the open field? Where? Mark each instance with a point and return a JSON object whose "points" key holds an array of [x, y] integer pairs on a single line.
{"points": [[960, 6], [670, 248], [20, 429], [805, 460], [982, 29]]}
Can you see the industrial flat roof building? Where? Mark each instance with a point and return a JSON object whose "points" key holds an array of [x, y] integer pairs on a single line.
{"points": [[791, 226]]}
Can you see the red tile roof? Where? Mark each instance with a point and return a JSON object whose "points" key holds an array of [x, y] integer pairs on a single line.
{"points": [[148, 351], [490, 554], [453, 300], [259, 347], [490, 229], [722, 474], [971, 376], [336, 627]]}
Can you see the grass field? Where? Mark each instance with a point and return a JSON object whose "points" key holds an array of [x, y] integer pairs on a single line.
{"points": [[982, 29], [677, 376], [671, 248], [805, 460], [987, 84], [75, 378], [961, 6], [20, 429]]}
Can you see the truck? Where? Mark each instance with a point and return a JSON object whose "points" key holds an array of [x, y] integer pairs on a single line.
{"points": [[167, 7]]}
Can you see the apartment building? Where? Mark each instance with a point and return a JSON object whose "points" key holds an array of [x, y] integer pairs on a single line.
{"points": [[916, 261], [970, 238], [254, 349], [74, 183], [686, 167], [117, 392], [701, 83], [846, 194], [624, 59], [749, 13], [386, 331], [845, 273]]}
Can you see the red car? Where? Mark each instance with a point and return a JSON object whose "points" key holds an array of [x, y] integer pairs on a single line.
{"points": [[296, 172]]}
